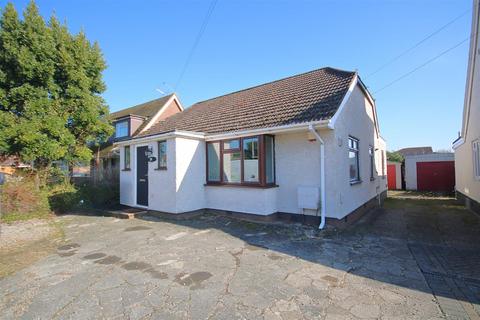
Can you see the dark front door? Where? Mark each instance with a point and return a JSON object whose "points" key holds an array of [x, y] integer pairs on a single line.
{"points": [[142, 176]]}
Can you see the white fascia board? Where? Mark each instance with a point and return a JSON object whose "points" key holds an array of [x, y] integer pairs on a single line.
{"points": [[458, 143], [167, 135], [271, 130], [374, 106], [161, 111], [333, 120], [201, 136]]}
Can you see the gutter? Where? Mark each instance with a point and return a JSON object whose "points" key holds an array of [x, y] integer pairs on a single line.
{"points": [[221, 136], [322, 175], [166, 135], [278, 129], [457, 143]]}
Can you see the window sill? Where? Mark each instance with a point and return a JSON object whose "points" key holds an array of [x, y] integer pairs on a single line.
{"points": [[352, 183], [161, 169], [238, 185], [126, 169]]}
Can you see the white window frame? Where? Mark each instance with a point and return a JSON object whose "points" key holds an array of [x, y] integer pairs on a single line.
{"points": [[357, 153], [160, 153], [125, 167], [476, 158], [371, 154]]}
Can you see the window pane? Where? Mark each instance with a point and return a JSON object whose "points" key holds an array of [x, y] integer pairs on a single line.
{"points": [[127, 157], [250, 160], [213, 154], [269, 161], [372, 162], [231, 167], [121, 129], [231, 144], [383, 164], [353, 165], [162, 154], [476, 159]]}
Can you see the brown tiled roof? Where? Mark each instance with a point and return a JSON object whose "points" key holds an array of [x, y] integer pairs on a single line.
{"points": [[146, 110], [415, 151], [311, 96]]}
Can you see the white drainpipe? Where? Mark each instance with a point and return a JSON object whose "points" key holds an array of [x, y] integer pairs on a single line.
{"points": [[322, 175]]}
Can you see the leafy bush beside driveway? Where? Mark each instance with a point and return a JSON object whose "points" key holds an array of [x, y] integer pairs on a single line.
{"points": [[22, 200]]}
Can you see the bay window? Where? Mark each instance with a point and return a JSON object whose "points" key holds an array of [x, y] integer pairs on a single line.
{"points": [[241, 161], [213, 161]]}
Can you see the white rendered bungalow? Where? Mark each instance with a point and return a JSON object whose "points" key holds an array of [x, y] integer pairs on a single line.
{"points": [[306, 148]]}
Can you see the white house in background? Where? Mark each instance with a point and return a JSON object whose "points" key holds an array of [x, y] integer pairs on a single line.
{"points": [[467, 146], [304, 147]]}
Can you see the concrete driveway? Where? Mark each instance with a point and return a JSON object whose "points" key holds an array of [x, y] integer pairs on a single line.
{"points": [[416, 259]]}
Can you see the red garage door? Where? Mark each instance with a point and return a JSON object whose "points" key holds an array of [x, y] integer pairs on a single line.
{"points": [[391, 177], [436, 176]]}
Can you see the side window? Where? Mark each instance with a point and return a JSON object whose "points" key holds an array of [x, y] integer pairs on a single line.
{"points": [[354, 164], [126, 155], [476, 158], [162, 155], [383, 164], [371, 154]]}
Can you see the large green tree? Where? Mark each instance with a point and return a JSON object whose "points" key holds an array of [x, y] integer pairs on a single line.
{"points": [[50, 90]]}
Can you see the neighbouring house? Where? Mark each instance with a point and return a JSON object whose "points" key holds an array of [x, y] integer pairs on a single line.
{"points": [[307, 147], [394, 175], [413, 151], [128, 123], [10, 165], [467, 146], [430, 172]]}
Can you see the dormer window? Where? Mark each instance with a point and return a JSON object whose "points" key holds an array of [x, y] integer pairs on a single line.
{"points": [[121, 129]]}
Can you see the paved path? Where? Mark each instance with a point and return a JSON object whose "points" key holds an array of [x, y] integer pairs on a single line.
{"points": [[409, 261]]}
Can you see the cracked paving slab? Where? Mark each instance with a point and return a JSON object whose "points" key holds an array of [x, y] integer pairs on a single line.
{"points": [[220, 268]]}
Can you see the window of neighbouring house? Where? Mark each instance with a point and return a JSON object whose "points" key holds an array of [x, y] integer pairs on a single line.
{"points": [[121, 129], [353, 159], [476, 158], [246, 161], [371, 153], [162, 155], [126, 158]]}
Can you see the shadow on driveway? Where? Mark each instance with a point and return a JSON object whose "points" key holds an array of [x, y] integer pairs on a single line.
{"points": [[426, 244]]}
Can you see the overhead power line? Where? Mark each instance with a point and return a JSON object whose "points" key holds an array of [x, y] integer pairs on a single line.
{"points": [[423, 64], [418, 43], [209, 13]]}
